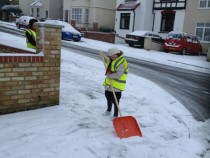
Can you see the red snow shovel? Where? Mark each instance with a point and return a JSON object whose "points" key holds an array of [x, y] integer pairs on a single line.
{"points": [[125, 126]]}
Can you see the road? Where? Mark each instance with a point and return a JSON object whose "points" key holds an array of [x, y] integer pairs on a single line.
{"points": [[191, 88]]}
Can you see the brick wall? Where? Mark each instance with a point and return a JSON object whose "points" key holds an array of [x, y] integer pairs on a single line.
{"points": [[30, 81], [101, 36]]}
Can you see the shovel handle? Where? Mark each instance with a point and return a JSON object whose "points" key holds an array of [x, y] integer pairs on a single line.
{"points": [[102, 56]]}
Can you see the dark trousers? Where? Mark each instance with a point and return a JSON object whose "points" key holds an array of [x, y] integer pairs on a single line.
{"points": [[110, 100]]}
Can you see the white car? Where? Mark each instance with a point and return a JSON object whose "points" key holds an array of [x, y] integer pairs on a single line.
{"points": [[23, 21], [136, 38]]}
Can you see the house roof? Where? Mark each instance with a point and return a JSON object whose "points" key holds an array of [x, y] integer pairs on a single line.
{"points": [[127, 6], [37, 4]]}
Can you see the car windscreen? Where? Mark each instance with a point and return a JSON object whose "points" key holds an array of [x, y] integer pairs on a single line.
{"points": [[175, 36]]}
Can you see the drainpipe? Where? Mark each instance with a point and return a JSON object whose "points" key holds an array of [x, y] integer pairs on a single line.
{"points": [[153, 22], [134, 15]]}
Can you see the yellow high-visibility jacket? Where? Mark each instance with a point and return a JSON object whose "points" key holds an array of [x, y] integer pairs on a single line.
{"points": [[33, 35], [118, 83]]}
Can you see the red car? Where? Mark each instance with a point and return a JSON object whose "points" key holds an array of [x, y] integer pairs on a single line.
{"points": [[183, 43]]}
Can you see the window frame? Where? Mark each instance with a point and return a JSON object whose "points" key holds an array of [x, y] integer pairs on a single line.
{"points": [[76, 14], [165, 18], [86, 15], [46, 14], [37, 12], [207, 4], [125, 21], [203, 27]]}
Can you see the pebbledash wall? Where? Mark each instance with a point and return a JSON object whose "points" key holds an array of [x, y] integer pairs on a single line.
{"points": [[30, 81]]}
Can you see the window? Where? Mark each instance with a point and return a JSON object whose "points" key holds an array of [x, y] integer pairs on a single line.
{"points": [[175, 36], [148, 34], [86, 15], [194, 40], [77, 14], [167, 21], [189, 38], [46, 14], [66, 12], [37, 12], [156, 36], [204, 3], [203, 31], [124, 21]]}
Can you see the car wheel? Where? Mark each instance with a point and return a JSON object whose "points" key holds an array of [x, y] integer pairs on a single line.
{"points": [[183, 52], [131, 45]]}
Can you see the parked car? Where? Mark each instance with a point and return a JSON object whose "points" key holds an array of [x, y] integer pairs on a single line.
{"points": [[68, 32], [183, 43], [136, 38], [23, 21]]}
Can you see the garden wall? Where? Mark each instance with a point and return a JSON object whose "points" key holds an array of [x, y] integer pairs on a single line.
{"points": [[101, 36], [154, 44], [30, 81]]}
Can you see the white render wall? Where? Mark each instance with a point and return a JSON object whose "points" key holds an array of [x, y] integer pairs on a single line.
{"points": [[178, 22], [143, 19], [72, 3], [25, 6], [55, 9], [42, 9]]}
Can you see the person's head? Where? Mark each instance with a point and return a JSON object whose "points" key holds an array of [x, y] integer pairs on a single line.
{"points": [[114, 53], [31, 23]]}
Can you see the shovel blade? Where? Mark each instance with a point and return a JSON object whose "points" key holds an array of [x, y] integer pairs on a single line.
{"points": [[126, 126]]}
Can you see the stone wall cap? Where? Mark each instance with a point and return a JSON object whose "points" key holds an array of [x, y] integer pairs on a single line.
{"points": [[43, 24], [22, 54]]}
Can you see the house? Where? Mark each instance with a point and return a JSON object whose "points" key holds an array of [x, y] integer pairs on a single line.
{"points": [[89, 14], [169, 15], [160, 16], [132, 15], [197, 21], [42, 9]]}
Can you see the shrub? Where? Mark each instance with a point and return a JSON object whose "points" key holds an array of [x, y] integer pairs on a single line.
{"points": [[106, 29], [11, 8]]}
